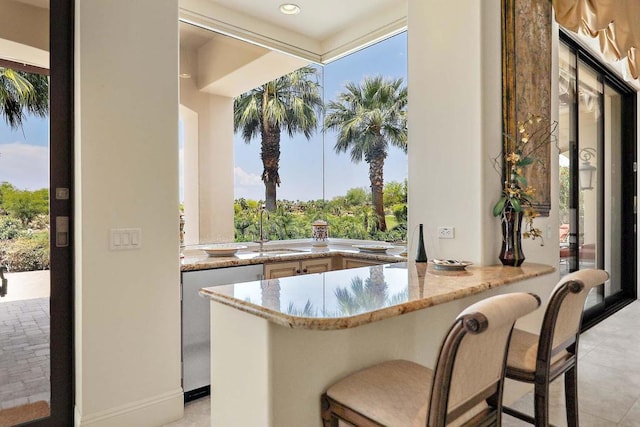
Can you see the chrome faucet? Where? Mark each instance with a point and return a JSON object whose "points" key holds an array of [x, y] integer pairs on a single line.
{"points": [[261, 240]]}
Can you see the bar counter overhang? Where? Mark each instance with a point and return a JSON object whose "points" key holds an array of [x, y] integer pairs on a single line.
{"points": [[276, 345]]}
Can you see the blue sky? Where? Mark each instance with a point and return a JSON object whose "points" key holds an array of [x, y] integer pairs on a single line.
{"points": [[24, 154], [301, 161]]}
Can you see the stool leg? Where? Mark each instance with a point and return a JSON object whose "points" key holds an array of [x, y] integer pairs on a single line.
{"points": [[541, 404], [571, 396], [328, 418]]}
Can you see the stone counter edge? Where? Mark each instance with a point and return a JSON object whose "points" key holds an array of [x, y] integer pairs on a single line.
{"points": [[337, 323]]}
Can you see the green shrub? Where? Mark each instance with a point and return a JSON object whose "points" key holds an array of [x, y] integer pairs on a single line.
{"points": [[25, 253], [10, 228], [397, 234], [26, 205], [400, 212]]}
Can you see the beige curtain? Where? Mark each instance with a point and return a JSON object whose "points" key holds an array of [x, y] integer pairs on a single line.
{"points": [[616, 24]]}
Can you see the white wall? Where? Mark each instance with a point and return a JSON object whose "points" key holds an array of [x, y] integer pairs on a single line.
{"points": [[448, 134], [189, 158], [127, 312], [455, 129], [216, 172], [208, 172]]}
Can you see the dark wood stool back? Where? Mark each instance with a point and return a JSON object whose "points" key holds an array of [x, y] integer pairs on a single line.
{"points": [[540, 359]]}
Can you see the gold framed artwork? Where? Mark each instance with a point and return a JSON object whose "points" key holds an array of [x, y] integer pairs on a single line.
{"points": [[526, 82]]}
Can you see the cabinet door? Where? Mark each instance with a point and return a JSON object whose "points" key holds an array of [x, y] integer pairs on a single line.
{"points": [[320, 265], [277, 270], [355, 263]]}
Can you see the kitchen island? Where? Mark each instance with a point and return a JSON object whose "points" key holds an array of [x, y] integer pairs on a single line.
{"points": [[236, 263], [278, 344]]}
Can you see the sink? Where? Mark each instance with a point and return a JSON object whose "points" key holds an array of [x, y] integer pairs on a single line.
{"points": [[279, 251]]}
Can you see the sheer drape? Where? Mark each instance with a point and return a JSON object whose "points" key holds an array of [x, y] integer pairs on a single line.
{"points": [[616, 24]]}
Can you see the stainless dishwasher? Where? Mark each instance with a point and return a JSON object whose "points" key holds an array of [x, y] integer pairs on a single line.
{"points": [[196, 376]]}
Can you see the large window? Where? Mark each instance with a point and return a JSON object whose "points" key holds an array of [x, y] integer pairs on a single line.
{"points": [[341, 159]]}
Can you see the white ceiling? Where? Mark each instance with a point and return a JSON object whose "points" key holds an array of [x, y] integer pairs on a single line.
{"points": [[36, 3], [192, 37], [323, 31], [318, 19]]}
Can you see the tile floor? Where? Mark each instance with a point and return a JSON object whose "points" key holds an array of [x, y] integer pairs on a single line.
{"points": [[608, 372], [196, 414], [608, 376]]}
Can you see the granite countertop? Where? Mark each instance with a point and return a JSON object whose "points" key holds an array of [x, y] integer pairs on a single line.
{"points": [[349, 298], [196, 259]]}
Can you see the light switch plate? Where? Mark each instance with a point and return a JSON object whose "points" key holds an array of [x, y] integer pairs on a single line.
{"points": [[125, 238]]}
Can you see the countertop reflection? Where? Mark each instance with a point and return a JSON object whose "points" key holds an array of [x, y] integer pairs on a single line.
{"points": [[349, 298]]}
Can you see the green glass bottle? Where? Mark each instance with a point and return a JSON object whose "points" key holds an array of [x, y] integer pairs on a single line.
{"points": [[421, 256]]}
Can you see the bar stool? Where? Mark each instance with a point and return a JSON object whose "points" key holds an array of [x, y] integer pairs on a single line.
{"points": [[540, 359], [465, 388]]}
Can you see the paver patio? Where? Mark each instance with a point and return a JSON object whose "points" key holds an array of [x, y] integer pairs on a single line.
{"points": [[24, 340]]}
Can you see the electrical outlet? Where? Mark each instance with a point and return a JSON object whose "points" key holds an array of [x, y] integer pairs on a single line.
{"points": [[446, 232]]}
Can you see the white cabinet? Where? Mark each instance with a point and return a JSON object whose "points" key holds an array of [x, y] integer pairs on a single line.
{"points": [[359, 262], [319, 265], [195, 322], [277, 270]]}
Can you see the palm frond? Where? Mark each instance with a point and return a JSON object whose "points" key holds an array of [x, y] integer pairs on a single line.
{"points": [[368, 117], [22, 93]]}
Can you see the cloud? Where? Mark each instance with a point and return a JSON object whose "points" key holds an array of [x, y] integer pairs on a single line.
{"points": [[247, 185], [246, 179], [25, 166]]}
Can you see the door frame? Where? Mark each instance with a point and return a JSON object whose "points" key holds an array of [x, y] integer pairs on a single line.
{"points": [[61, 134]]}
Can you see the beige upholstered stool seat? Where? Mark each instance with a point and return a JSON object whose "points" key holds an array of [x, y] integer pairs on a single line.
{"points": [[395, 392], [392, 393], [523, 351], [464, 389]]}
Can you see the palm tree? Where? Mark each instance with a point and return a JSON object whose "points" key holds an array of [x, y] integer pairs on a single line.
{"points": [[289, 103], [360, 297], [369, 117], [368, 294], [22, 93], [270, 293]]}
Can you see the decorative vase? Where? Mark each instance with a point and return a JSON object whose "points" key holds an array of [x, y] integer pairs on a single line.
{"points": [[320, 232], [421, 255], [511, 251]]}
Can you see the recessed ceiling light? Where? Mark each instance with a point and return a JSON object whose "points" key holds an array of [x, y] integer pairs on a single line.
{"points": [[289, 9]]}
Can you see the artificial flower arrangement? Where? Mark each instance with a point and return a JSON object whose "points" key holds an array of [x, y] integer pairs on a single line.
{"points": [[518, 153]]}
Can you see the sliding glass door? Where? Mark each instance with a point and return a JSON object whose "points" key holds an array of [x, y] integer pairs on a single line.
{"points": [[597, 176]]}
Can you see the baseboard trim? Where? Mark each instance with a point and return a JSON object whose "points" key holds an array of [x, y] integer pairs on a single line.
{"points": [[151, 412]]}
